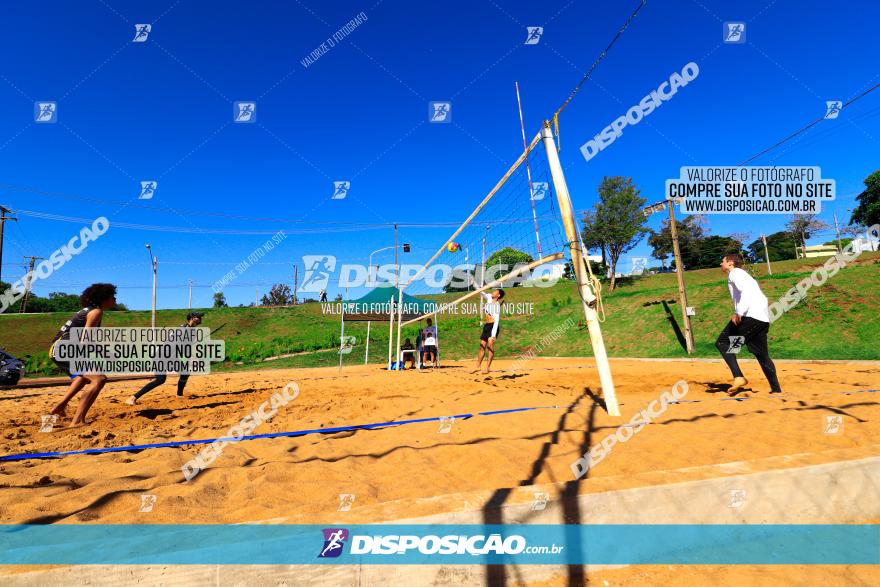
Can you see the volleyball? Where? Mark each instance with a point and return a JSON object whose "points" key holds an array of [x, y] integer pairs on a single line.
{"points": [[453, 247]]}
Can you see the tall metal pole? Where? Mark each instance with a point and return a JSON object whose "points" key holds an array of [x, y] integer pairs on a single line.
{"points": [[295, 282], [3, 218], [399, 296], [767, 255], [154, 263], [588, 298], [27, 286], [837, 228], [679, 272], [190, 294]]}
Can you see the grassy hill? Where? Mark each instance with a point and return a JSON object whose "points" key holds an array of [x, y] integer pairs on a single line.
{"points": [[838, 320]]}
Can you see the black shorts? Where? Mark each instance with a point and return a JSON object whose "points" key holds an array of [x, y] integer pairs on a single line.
{"points": [[63, 365], [487, 331], [432, 349]]}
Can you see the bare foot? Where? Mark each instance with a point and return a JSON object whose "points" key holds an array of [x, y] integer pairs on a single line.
{"points": [[59, 411], [74, 425], [485, 372], [475, 371], [131, 401]]}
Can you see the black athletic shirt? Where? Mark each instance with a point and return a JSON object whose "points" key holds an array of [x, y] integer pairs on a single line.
{"points": [[78, 321]]}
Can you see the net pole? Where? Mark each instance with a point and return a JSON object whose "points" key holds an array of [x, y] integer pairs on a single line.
{"points": [[528, 168], [567, 211], [367, 351], [390, 329]]}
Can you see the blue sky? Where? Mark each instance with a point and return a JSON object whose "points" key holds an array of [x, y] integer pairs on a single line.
{"points": [[162, 110]]}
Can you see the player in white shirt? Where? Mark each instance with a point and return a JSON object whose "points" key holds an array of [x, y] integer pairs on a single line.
{"points": [[748, 326], [492, 306], [429, 344]]}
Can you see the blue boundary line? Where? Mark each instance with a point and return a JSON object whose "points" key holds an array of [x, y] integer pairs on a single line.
{"points": [[177, 443]]}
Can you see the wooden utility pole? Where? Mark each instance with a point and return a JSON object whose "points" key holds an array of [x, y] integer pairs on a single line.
{"points": [[837, 228], [767, 255], [3, 218], [295, 281], [679, 271], [27, 286]]}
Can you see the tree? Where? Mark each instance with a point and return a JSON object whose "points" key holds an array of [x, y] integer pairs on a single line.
{"points": [[780, 245], [502, 262], [802, 227], [867, 213], [711, 249], [220, 300], [690, 232], [279, 295], [460, 279], [616, 222]]}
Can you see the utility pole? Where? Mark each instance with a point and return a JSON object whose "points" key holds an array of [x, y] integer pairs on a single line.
{"points": [[295, 281], [155, 263], [190, 294], [837, 228], [256, 296], [3, 218], [767, 255], [27, 286], [679, 271]]}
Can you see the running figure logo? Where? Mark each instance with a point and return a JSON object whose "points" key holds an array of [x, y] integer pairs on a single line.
{"points": [[141, 32], [833, 424], [736, 344], [147, 502], [533, 34], [244, 112], [318, 270], [539, 190], [346, 344], [832, 108], [48, 422], [737, 498], [340, 189], [540, 502], [734, 32], [148, 189], [346, 500], [46, 112], [334, 541], [440, 112]]}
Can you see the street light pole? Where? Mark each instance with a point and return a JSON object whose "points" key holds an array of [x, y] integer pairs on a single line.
{"points": [[155, 262]]}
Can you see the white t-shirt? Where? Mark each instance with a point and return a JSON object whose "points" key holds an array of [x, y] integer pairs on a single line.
{"points": [[430, 336], [493, 309], [748, 299]]}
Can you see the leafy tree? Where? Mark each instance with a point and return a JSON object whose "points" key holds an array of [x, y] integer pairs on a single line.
{"points": [[279, 295], [802, 226], [502, 262], [711, 249], [867, 213], [780, 245], [690, 233], [220, 300], [843, 242], [616, 223]]}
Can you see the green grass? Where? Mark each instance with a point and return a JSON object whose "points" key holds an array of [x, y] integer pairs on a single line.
{"points": [[838, 320]]}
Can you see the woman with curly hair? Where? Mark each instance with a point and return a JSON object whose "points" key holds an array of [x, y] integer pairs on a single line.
{"points": [[95, 299]]}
